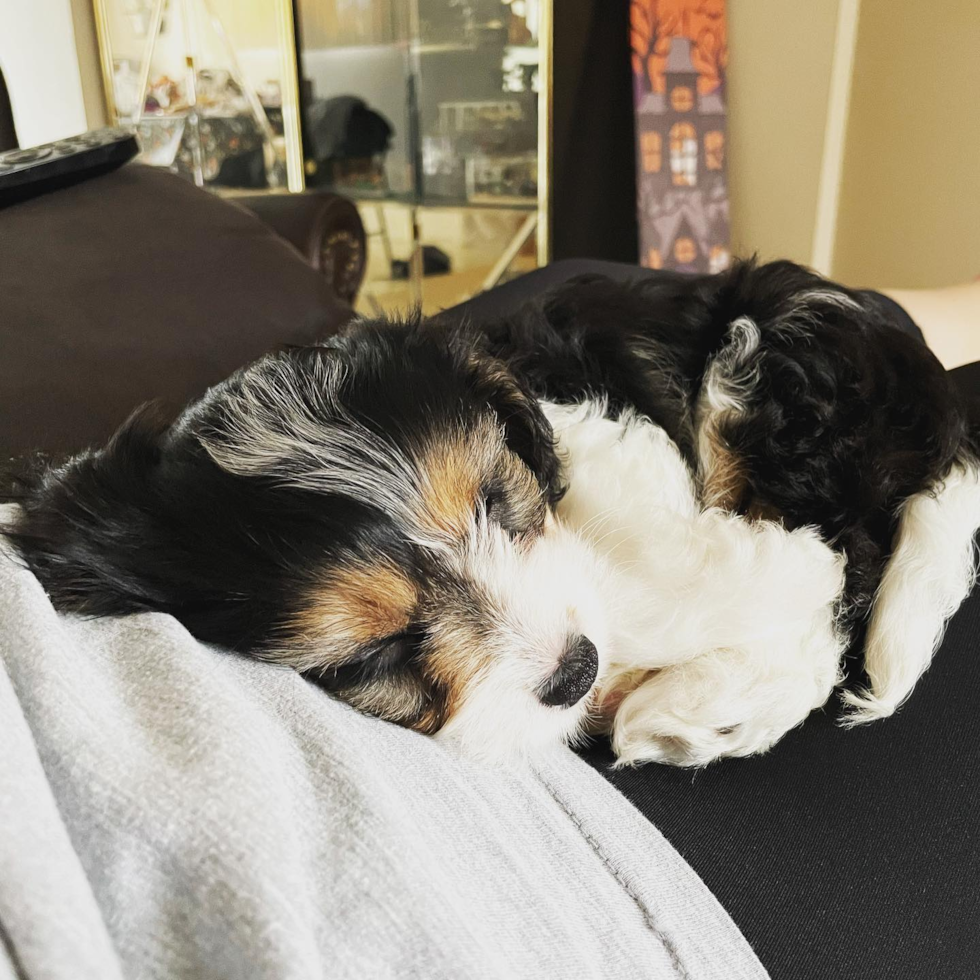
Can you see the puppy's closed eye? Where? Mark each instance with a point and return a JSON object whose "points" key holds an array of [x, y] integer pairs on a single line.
{"points": [[375, 661], [512, 501], [490, 504]]}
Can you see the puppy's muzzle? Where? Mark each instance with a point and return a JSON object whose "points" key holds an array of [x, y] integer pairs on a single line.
{"points": [[574, 677]]}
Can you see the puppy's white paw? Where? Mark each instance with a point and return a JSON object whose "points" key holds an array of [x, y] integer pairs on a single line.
{"points": [[726, 702]]}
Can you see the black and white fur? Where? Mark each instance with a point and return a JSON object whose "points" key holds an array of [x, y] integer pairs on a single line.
{"points": [[661, 509]]}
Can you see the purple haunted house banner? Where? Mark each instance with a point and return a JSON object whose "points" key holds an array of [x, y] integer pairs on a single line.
{"points": [[680, 57]]}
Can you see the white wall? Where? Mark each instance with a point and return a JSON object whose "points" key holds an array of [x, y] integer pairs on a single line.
{"points": [[855, 137], [781, 94], [37, 54], [910, 193]]}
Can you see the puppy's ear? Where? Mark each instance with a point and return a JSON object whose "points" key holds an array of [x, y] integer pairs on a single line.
{"points": [[526, 430]]}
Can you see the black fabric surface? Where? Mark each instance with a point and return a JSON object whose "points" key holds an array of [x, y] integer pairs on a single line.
{"points": [[841, 854], [844, 853], [505, 299]]}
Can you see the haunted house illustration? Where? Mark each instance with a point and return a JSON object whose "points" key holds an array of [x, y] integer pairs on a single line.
{"points": [[682, 196]]}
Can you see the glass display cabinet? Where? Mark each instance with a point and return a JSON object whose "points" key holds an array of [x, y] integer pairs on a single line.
{"points": [[432, 115]]}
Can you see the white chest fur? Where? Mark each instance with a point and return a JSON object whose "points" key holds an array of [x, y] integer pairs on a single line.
{"points": [[723, 629]]}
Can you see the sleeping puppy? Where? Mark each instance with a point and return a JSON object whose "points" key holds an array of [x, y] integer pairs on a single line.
{"points": [[661, 509]]}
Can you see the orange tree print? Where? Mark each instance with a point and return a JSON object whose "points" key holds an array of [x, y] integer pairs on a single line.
{"points": [[654, 22]]}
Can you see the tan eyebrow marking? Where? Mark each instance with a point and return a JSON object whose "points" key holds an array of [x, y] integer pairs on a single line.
{"points": [[357, 604], [452, 469]]}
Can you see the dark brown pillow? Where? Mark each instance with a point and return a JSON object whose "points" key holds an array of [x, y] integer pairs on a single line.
{"points": [[133, 286]]}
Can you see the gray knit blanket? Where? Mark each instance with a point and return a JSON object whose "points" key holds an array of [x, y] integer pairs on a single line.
{"points": [[169, 810]]}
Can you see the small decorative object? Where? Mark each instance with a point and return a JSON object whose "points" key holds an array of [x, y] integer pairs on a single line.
{"points": [[443, 168], [483, 149], [680, 57], [126, 87], [161, 138], [490, 178]]}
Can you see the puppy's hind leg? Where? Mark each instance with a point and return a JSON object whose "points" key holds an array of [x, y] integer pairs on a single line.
{"points": [[931, 570]]}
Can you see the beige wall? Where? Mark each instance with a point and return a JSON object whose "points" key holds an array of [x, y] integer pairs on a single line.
{"points": [[855, 137], [779, 84], [910, 194]]}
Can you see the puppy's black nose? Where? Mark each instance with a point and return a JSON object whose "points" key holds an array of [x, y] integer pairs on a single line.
{"points": [[574, 677]]}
